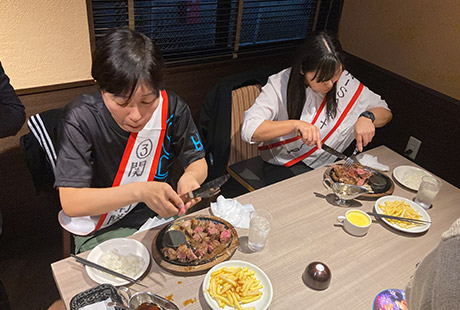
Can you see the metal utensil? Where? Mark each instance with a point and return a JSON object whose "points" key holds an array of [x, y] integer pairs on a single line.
{"points": [[332, 151], [350, 160], [104, 269], [405, 219], [344, 193], [207, 190]]}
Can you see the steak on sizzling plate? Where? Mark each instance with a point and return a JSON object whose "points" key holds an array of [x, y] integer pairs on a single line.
{"points": [[356, 174]]}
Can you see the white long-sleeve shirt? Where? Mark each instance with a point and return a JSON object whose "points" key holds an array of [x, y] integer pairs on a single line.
{"points": [[338, 132]]}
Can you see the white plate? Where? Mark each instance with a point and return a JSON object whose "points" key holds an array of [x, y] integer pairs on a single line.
{"points": [[401, 171], [267, 290], [124, 246], [418, 208]]}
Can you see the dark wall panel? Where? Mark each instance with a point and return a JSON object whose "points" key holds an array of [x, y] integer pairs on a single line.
{"points": [[418, 111]]}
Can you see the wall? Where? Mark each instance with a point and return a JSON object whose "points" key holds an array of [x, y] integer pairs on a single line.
{"points": [[44, 42], [417, 39]]}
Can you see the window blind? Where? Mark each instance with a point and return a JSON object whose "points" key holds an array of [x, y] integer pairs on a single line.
{"points": [[199, 30]]}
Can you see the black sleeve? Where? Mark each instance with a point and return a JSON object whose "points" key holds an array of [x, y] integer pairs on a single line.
{"points": [[186, 142], [12, 115], [73, 166]]}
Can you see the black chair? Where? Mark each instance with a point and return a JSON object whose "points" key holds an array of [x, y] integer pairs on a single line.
{"points": [[40, 151], [220, 127]]}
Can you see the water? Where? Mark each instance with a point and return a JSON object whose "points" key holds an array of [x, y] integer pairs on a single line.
{"points": [[426, 194], [258, 233]]}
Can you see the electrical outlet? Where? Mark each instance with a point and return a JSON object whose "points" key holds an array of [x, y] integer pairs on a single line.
{"points": [[412, 147]]}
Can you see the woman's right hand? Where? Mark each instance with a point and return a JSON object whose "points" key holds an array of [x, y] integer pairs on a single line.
{"points": [[308, 132], [161, 198]]}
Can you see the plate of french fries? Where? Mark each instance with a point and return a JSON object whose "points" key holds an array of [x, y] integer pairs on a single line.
{"points": [[238, 285], [402, 207]]}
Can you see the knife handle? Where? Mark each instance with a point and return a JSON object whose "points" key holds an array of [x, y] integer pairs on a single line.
{"points": [[187, 197]]}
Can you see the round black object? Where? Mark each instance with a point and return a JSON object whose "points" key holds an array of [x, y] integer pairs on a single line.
{"points": [[317, 276], [377, 182], [173, 238]]}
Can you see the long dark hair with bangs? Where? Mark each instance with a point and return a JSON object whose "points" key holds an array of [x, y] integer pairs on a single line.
{"points": [[322, 54], [123, 58]]}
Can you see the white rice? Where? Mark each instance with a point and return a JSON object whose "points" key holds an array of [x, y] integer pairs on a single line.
{"points": [[129, 265], [413, 178]]}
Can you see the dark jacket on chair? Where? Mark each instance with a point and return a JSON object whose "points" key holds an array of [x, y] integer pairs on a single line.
{"points": [[40, 148], [215, 117]]}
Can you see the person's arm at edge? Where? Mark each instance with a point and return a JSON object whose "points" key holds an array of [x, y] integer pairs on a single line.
{"points": [[12, 114]]}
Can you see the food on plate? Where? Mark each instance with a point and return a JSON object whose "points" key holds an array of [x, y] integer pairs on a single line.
{"points": [[129, 265], [234, 286], [356, 175], [413, 177], [205, 240], [401, 209]]}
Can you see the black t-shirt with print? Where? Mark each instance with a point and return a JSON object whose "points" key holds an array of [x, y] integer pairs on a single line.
{"points": [[91, 144]]}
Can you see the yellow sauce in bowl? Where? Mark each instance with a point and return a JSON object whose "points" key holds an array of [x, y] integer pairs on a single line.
{"points": [[357, 218]]}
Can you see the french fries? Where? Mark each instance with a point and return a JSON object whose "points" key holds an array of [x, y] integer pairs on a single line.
{"points": [[234, 286], [401, 209]]}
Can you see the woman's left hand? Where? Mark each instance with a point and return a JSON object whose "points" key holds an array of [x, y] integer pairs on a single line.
{"points": [[364, 132], [187, 183]]}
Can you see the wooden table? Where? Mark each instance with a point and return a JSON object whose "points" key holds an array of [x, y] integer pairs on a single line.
{"points": [[303, 231]]}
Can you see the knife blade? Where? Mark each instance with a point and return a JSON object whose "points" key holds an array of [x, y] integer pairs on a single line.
{"points": [[206, 190], [405, 219], [332, 151]]}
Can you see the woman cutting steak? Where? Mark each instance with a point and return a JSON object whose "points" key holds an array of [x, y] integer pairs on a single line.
{"points": [[315, 101], [117, 146]]}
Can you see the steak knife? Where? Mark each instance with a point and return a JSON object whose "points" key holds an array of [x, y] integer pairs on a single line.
{"points": [[207, 190], [334, 152]]}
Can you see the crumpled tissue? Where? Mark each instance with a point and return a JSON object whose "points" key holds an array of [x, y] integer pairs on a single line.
{"points": [[371, 161], [154, 222], [232, 211]]}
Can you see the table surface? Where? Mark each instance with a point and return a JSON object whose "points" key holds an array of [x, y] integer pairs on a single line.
{"points": [[303, 231]]}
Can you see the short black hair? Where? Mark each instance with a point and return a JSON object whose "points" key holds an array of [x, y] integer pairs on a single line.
{"points": [[123, 58]]}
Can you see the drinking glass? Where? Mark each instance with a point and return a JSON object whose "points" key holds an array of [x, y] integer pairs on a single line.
{"points": [[259, 226], [429, 188]]}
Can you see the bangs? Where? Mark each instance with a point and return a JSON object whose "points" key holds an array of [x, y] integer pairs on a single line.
{"points": [[327, 68]]}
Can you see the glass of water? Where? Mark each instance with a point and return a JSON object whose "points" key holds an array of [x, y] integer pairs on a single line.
{"points": [[429, 188], [259, 226]]}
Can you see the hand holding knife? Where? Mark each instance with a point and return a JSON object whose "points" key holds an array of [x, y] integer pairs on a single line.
{"points": [[206, 190]]}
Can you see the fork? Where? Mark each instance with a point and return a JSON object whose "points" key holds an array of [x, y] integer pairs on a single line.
{"points": [[350, 160]]}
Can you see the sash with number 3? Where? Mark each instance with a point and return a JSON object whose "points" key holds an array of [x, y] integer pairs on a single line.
{"points": [[138, 164]]}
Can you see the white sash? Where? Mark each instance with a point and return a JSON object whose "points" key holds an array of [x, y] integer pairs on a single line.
{"points": [[138, 164], [289, 150]]}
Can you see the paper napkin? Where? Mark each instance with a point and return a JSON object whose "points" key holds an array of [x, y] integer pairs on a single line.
{"points": [[371, 161], [232, 211]]}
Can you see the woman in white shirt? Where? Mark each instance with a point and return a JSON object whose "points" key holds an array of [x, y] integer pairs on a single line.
{"points": [[315, 101]]}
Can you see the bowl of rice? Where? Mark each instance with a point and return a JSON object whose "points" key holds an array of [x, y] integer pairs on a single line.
{"points": [[125, 256]]}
